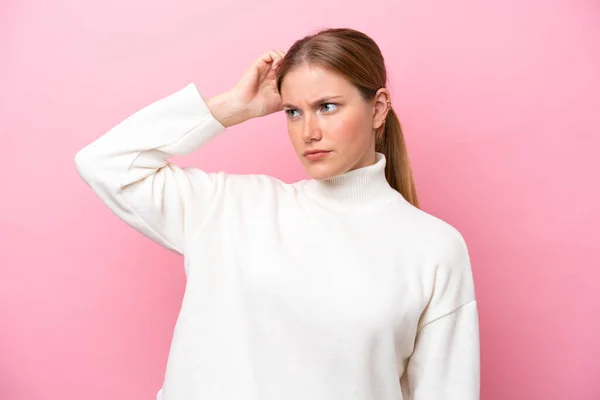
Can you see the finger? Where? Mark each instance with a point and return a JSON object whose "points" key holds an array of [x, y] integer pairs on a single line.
{"points": [[264, 62], [265, 58], [270, 56], [279, 60], [276, 58], [267, 61]]}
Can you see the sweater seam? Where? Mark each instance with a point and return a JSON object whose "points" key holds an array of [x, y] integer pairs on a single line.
{"points": [[149, 226], [177, 248], [449, 313]]}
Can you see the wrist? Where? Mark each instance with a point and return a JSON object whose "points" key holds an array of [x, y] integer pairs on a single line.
{"points": [[228, 110]]}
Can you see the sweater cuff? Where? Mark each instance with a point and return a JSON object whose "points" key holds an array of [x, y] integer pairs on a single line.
{"points": [[206, 128]]}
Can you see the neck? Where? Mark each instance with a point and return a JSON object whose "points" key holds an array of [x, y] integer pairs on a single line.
{"points": [[361, 186]]}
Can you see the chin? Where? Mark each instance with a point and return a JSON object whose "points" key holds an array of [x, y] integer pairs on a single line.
{"points": [[321, 171]]}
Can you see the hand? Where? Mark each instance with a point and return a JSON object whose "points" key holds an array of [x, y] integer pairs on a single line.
{"points": [[256, 92]]}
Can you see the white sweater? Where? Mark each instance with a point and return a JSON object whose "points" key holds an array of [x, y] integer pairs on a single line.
{"points": [[318, 290]]}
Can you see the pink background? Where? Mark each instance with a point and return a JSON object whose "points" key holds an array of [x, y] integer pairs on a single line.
{"points": [[500, 105]]}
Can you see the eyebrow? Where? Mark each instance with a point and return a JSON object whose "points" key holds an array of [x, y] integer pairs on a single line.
{"points": [[322, 100]]}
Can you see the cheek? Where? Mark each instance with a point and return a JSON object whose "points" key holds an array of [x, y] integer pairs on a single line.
{"points": [[347, 128], [295, 134]]}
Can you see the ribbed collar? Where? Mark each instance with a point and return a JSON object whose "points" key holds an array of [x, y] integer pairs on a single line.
{"points": [[361, 186]]}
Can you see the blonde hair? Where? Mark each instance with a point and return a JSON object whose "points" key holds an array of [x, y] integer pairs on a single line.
{"points": [[357, 57]]}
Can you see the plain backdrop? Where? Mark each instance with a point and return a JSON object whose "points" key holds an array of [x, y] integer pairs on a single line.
{"points": [[500, 105]]}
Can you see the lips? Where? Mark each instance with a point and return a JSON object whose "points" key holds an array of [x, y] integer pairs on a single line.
{"points": [[308, 152], [316, 154]]}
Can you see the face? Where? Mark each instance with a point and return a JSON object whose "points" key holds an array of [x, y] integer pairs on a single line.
{"points": [[327, 114]]}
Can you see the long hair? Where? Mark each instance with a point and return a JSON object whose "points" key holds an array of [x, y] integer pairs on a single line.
{"points": [[357, 57]]}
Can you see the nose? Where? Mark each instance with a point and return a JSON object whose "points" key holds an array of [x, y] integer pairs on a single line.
{"points": [[311, 130]]}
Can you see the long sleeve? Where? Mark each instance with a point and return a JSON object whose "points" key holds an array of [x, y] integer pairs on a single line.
{"points": [[127, 168], [445, 363]]}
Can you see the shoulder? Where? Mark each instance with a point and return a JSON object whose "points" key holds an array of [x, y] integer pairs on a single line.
{"points": [[443, 260], [254, 180], [437, 239], [255, 186]]}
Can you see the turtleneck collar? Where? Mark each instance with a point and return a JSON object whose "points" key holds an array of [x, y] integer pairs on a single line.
{"points": [[361, 186]]}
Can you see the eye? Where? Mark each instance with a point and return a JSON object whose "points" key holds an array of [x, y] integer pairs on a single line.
{"points": [[290, 111], [330, 109]]}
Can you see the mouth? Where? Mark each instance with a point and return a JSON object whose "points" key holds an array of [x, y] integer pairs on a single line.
{"points": [[316, 154]]}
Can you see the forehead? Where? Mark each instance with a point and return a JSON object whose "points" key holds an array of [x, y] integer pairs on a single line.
{"points": [[307, 82]]}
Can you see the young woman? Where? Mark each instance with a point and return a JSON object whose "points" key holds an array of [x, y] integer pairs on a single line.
{"points": [[337, 287]]}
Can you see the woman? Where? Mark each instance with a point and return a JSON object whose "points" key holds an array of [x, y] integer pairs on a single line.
{"points": [[335, 287]]}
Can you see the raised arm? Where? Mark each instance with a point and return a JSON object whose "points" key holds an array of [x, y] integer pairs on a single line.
{"points": [[128, 167]]}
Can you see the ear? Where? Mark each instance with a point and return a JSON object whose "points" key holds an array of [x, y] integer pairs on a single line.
{"points": [[381, 107]]}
